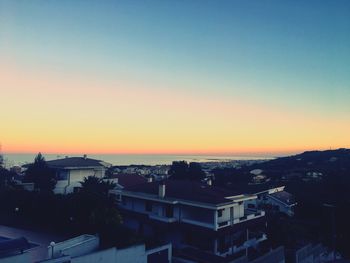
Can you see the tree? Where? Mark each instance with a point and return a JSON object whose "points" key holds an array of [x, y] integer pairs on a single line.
{"points": [[96, 185], [181, 170], [195, 172], [95, 209], [41, 175]]}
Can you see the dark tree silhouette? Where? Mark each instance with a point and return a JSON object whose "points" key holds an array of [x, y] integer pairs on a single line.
{"points": [[96, 185], [181, 170], [195, 172], [41, 175]]}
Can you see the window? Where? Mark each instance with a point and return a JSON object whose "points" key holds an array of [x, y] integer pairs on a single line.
{"points": [[169, 211], [251, 206], [220, 212], [124, 201], [148, 206], [62, 175]]}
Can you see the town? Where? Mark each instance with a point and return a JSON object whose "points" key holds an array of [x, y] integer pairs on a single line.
{"points": [[78, 209]]}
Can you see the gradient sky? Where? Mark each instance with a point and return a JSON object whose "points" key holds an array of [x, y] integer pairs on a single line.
{"points": [[174, 76]]}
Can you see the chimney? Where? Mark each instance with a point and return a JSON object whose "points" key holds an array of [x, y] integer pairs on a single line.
{"points": [[161, 190], [85, 156]]}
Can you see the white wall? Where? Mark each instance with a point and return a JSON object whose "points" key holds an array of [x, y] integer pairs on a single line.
{"points": [[107, 255], [135, 254], [19, 258], [79, 175], [76, 246]]}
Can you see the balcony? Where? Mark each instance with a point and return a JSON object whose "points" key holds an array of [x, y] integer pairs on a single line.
{"points": [[198, 223], [162, 218]]}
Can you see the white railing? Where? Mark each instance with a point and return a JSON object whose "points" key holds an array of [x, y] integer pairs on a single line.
{"points": [[194, 222]]}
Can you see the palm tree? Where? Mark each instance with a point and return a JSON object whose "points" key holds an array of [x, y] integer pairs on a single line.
{"points": [[96, 185]]}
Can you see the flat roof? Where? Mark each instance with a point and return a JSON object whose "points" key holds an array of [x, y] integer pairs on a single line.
{"points": [[189, 191]]}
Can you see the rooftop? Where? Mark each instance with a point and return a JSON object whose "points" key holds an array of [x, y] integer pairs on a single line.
{"points": [[76, 162], [187, 190], [284, 197], [129, 180]]}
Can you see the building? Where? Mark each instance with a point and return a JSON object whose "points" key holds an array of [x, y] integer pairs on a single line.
{"points": [[193, 214], [80, 249], [274, 199], [85, 248], [70, 171]]}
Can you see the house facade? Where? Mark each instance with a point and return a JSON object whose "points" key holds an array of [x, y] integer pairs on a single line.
{"points": [[193, 214], [70, 171]]}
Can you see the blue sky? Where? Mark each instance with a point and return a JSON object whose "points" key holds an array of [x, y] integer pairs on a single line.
{"points": [[287, 55]]}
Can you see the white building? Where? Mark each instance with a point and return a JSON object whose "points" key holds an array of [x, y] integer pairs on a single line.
{"points": [[195, 214], [70, 171]]}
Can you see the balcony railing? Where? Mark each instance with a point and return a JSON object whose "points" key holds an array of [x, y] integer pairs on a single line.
{"points": [[198, 223], [162, 218]]}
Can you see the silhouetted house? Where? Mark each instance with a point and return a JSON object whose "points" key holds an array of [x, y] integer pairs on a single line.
{"points": [[70, 171], [193, 214], [274, 199]]}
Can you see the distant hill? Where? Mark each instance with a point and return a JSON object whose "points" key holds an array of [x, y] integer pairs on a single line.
{"points": [[311, 164]]}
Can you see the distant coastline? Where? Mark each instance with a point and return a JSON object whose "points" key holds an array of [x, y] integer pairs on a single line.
{"points": [[128, 159]]}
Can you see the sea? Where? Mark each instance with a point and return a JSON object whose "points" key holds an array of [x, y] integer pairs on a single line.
{"points": [[12, 159]]}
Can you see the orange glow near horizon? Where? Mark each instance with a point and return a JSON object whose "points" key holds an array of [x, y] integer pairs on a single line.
{"points": [[60, 113]]}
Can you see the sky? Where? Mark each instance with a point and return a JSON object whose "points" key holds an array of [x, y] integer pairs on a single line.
{"points": [[194, 76]]}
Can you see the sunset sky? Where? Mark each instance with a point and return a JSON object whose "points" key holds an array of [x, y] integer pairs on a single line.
{"points": [[182, 76]]}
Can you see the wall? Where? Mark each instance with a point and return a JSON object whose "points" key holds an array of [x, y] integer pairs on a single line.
{"points": [[76, 246], [274, 256], [135, 254], [19, 258], [197, 214], [79, 174], [107, 255]]}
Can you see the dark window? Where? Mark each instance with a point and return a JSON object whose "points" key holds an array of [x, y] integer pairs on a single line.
{"points": [[220, 212], [222, 245], [251, 206], [62, 175], [148, 206], [76, 189], [123, 200], [169, 211]]}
